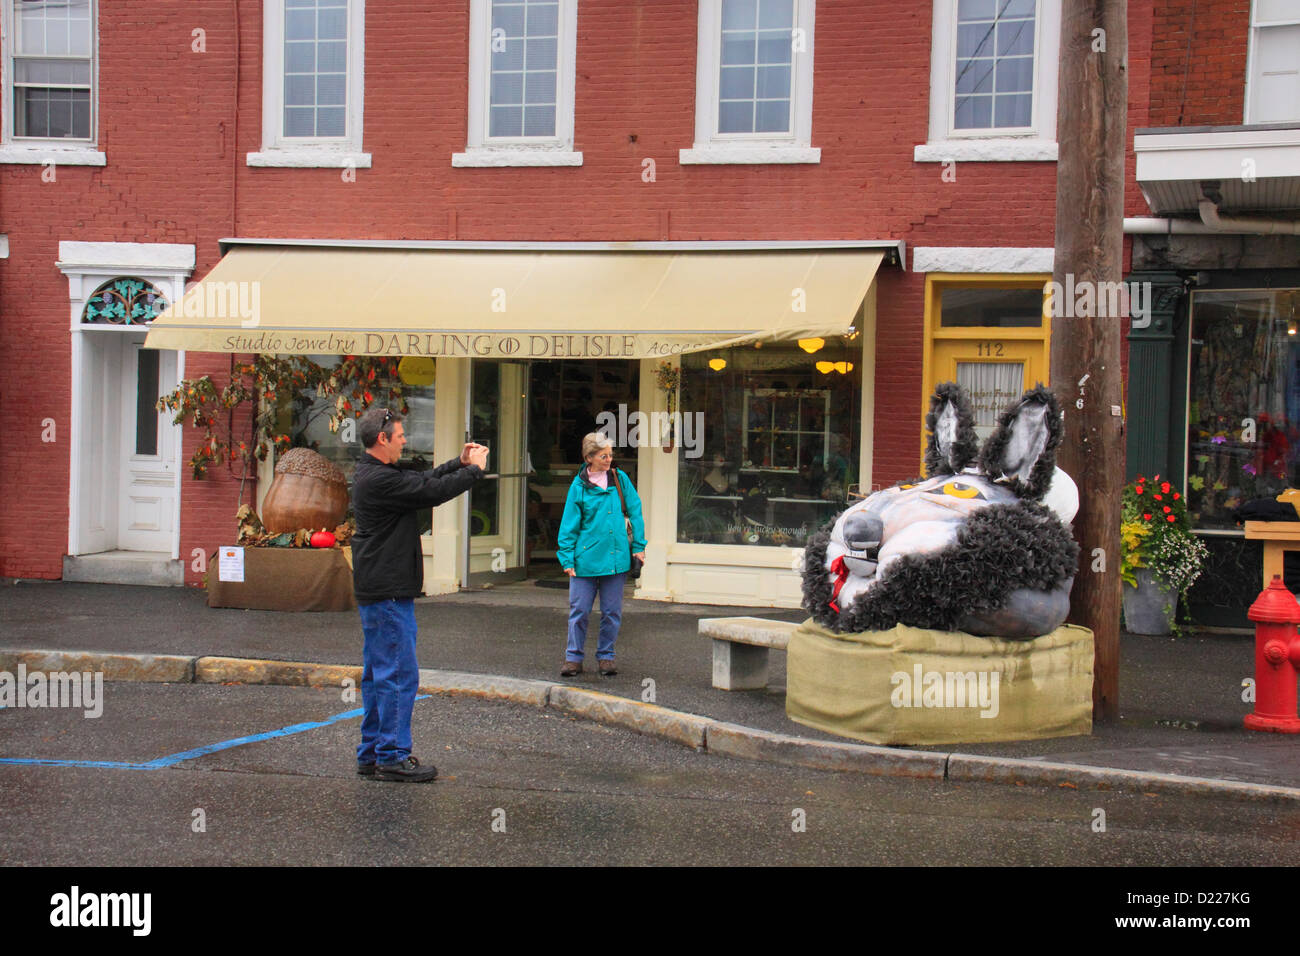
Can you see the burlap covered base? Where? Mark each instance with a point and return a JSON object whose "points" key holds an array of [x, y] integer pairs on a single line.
{"points": [[908, 685]]}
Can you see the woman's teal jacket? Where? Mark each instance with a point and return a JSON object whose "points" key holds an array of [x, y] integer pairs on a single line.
{"points": [[593, 536]]}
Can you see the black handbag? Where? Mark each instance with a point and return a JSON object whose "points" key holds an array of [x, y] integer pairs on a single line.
{"points": [[634, 571]]}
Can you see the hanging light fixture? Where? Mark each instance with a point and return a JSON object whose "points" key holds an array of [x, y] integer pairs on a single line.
{"points": [[811, 345], [826, 367], [717, 364]]}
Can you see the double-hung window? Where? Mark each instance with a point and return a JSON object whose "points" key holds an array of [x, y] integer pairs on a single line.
{"points": [[753, 83], [522, 69], [313, 83], [49, 69], [1273, 78], [993, 81]]}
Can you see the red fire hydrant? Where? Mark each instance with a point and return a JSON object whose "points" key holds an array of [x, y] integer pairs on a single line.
{"points": [[1277, 659]]}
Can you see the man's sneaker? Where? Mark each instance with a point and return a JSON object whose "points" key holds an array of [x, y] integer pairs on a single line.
{"points": [[571, 669], [365, 769], [608, 668], [408, 770]]}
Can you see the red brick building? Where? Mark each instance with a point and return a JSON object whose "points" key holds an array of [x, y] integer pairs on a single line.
{"points": [[898, 156]]}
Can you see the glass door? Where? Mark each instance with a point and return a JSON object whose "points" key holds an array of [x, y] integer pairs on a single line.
{"points": [[497, 416]]}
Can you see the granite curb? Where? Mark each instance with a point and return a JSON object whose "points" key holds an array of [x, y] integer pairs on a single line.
{"points": [[701, 733]]}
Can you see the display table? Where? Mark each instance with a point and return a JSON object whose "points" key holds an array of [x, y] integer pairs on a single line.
{"points": [[287, 579], [907, 685], [1278, 537]]}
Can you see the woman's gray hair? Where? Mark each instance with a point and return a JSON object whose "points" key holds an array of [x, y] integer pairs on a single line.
{"points": [[593, 442]]}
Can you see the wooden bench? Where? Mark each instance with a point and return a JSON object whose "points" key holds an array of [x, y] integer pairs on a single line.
{"points": [[740, 649]]}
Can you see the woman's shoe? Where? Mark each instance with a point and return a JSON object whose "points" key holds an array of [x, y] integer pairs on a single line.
{"points": [[571, 669], [608, 668]]}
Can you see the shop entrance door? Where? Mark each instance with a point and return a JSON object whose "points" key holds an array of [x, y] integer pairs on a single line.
{"points": [[495, 509]]}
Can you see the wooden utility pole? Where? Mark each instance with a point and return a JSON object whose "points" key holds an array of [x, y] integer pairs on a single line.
{"points": [[1092, 122]]}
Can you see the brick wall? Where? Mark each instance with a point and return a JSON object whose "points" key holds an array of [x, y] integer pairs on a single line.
{"points": [[1198, 62], [176, 126]]}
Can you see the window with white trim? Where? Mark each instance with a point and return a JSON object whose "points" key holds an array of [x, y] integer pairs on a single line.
{"points": [[49, 79], [993, 81], [313, 83], [753, 84], [522, 69], [1273, 80]]}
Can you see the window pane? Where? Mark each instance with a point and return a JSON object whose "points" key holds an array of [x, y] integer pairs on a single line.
{"points": [[1015, 75], [146, 395], [540, 88], [739, 14], [507, 89], [330, 122], [332, 57], [774, 82], [300, 25], [52, 72], [331, 90], [52, 113], [974, 39], [774, 48], [508, 17], [991, 387], [299, 121], [539, 121], [1018, 8], [506, 121], [300, 90], [511, 58], [1016, 38], [973, 112], [773, 443], [540, 54], [543, 19], [332, 24], [1012, 111], [736, 117], [773, 14], [738, 49], [976, 77], [56, 36], [300, 57], [737, 83], [976, 9], [773, 116], [991, 308], [1244, 365]]}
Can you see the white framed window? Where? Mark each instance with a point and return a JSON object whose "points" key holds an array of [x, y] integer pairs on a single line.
{"points": [[993, 81], [313, 83], [50, 68], [754, 83], [522, 72], [1273, 69]]}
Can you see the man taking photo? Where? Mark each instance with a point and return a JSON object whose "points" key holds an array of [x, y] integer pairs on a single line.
{"points": [[387, 575]]}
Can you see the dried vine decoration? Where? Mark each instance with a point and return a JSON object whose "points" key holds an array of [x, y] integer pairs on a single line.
{"points": [[124, 302], [285, 390], [669, 377]]}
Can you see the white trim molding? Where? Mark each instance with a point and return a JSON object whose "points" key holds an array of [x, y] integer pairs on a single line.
{"points": [[1037, 144], [33, 155], [4, 247], [710, 146], [484, 150], [124, 257], [976, 259], [298, 152]]}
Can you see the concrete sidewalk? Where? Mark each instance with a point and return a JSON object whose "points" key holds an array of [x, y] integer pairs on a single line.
{"points": [[1181, 706]]}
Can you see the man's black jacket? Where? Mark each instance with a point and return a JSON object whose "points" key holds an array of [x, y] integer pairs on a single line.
{"points": [[386, 557]]}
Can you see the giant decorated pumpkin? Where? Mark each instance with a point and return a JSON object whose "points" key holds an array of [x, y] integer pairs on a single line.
{"points": [[309, 491]]}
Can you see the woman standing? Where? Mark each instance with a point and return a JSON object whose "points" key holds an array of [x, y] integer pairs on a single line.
{"points": [[594, 551]]}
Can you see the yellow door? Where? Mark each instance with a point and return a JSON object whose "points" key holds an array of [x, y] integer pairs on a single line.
{"points": [[994, 372]]}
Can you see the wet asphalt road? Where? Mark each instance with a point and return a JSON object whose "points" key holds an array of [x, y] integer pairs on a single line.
{"points": [[559, 791]]}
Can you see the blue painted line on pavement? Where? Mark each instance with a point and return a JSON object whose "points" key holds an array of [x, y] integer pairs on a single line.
{"points": [[176, 758]]}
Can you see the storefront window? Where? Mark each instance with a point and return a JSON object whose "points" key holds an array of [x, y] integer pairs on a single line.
{"points": [[1243, 400], [768, 447]]}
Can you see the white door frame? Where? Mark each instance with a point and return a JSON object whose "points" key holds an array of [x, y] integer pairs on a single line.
{"points": [[87, 266]]}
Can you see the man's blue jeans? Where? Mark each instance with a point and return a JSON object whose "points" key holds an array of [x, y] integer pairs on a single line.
{"points": [[388, 681], [582, 594]]}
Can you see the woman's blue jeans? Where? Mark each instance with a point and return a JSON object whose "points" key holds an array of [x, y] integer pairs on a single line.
{"points": [[582, 594]]}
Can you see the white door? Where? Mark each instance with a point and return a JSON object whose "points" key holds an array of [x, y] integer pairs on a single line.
{"points": [[147, 475]]}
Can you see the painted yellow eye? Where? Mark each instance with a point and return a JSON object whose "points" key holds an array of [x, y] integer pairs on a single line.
{"points": [[907, 486], [952, 488]]}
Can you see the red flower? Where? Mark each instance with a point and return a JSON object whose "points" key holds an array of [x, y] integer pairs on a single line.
{"points": [[1156, 478], [1157, 497], [1139, 489], [1146, 517], [1176, 496], [1140, 479], [1171, 518], [1164, 486], [1168, 509]]}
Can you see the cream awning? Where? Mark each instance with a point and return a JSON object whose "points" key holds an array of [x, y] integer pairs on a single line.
{"points": [[511, 303]]}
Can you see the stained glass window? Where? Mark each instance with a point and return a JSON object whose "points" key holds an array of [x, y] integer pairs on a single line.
{"points": [[124, 302]]}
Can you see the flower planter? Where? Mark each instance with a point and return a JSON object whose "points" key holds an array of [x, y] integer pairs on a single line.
{"points": [[1148, 608]]}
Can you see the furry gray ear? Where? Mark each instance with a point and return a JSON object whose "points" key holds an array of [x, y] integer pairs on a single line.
{"points": [[951, 444], [1021, 452]]}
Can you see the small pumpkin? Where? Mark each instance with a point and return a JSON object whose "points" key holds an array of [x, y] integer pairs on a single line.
{"points": [[322, 539]]}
